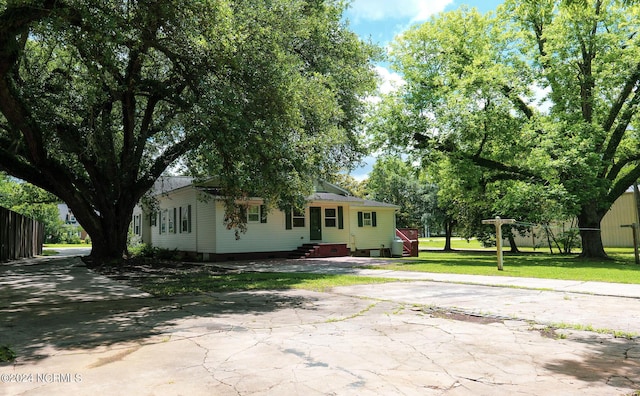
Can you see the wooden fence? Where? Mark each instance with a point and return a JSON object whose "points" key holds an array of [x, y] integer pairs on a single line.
{"points": [[20, 237]]}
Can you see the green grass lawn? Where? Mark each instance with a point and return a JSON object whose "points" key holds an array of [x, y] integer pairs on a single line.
{"points": [[456, 243], [49, 248], [437, 243], [65, 245], [202, 282], [621, 269]]}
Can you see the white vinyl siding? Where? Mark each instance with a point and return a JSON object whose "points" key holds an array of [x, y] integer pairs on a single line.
{"points": [[167, 234], [333, 234], [368, 236], [209, 234], [145, 224], [204, 219], [622, 212], [260, 237]]}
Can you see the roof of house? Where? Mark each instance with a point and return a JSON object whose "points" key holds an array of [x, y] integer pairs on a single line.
{"points": [[166, 184], [325, 191], [331, 197]]}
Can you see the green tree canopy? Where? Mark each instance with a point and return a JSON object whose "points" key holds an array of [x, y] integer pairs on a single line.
{"points": [[97, 99], [395, 181], [32, 202], [542, 92]]}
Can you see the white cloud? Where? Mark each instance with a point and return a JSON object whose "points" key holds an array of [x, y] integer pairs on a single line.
{"points": [[416, 10], [390, 81], [541, 98]]}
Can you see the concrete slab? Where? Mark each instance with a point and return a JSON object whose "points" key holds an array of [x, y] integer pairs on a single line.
{"points": [[91, 335]]}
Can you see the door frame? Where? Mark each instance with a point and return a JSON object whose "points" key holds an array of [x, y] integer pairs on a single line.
{"points": [[315, 223]]}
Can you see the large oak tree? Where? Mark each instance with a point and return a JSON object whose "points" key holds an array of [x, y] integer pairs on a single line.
{"points": [[99, 98], [543, 92]]}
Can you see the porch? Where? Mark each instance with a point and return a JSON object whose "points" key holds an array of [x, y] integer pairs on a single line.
{"points": [[318, 250]]}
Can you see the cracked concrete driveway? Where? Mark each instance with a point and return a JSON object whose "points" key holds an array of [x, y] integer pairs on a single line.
{"points": [[77, 332]]}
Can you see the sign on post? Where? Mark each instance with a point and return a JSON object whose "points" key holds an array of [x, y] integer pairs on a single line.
{"points": [[634, 228], [498, 223]]}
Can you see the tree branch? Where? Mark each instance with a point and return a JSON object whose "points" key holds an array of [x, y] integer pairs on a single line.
{"points": [[515, 171], [517, 101], [623, 184], [618, 166], [171, 154], [621, 128]]}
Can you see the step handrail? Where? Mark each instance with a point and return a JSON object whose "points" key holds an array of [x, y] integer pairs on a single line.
{"points": [[406, 242]]}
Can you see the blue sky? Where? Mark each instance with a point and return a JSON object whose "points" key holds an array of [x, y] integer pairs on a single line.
{"points": [[382, 20]]}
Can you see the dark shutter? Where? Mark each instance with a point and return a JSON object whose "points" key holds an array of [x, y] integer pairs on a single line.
{"points": [[287, 219], [189, 218], [360, 219], [340, 218], [263, 213], [174, 221], [374, 221], [180, 220]]}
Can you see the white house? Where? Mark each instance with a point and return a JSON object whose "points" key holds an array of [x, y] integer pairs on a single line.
{"points": [[73, 227], [190, 219]]}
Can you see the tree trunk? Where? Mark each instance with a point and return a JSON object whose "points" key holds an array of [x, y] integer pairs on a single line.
{"points": [[512, 243], [589, 223], [448, 231], [108, 225], [109, 244], [636, 195]]}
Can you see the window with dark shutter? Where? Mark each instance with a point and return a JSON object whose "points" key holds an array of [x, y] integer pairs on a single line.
{"points": [[367, 219], [330, 217], [298, 218], [175, 224]]}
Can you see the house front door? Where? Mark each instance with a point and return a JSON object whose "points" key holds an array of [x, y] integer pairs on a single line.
{"points": [[315, 223]]}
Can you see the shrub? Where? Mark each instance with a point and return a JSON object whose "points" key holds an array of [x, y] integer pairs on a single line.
{"points": [[6, 354]]}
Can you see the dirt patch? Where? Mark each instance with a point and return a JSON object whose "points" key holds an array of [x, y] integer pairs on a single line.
{"points": [[548, 332], [114, 358], [462, 316]]}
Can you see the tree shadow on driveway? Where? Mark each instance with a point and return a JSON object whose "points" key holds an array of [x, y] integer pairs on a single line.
{"points": [[48, 305], [615, 361]]}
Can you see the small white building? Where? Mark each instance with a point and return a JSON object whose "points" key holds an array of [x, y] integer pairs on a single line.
{"points": [[190, 219], [72, 226], [66, 215], [622, 212]]}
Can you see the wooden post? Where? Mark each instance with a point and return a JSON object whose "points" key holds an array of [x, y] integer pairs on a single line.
{"points": [[498, 223], [634, 228]]}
